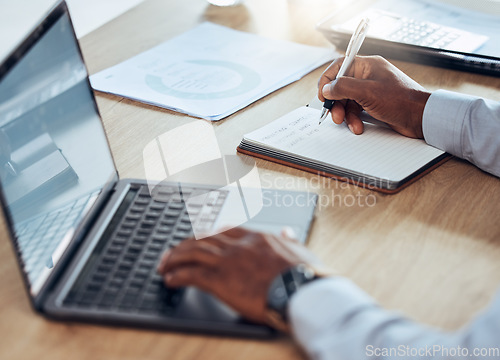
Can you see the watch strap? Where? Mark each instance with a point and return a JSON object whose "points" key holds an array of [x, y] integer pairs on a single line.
{"points": [[281, 290]]}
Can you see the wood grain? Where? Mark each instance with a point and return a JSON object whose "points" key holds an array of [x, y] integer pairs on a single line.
{"points": [[431, 251]]}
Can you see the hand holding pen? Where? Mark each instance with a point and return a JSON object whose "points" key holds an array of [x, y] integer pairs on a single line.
{"points": [[352, 50], [376, 87]]}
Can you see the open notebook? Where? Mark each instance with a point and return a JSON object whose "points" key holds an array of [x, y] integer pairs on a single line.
{"points": [[380, 158]]}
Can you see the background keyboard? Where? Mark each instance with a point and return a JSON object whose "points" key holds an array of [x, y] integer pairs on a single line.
{"points": [[394, 27]]}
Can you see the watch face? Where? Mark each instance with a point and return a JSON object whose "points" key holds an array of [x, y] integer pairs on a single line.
{"points": [[307, 273], [285, 285], [277, 295]]}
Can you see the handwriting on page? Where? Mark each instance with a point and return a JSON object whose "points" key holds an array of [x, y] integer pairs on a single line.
{"points": [[378, 152], [295, 131]]}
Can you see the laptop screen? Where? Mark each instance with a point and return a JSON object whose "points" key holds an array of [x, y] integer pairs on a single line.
{"points": [[54, 156]]}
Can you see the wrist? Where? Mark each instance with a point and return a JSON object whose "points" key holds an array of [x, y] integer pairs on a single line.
{"points": [[282, 288], [420, 99]]}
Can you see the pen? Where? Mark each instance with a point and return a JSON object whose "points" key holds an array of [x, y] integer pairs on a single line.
{"points": [[352, 50]]}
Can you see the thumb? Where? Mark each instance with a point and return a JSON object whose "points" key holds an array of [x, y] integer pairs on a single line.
{"points": [[346, 88]]}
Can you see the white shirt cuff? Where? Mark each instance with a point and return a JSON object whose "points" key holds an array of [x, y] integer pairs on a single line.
{"points": [[443, 120], [322, 303]]}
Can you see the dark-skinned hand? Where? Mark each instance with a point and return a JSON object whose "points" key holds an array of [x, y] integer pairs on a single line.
{"points": [[237, 266], [378, 87]]}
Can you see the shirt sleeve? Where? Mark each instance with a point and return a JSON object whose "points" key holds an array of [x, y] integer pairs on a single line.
{"points": [[464, 126], [334, 319]]}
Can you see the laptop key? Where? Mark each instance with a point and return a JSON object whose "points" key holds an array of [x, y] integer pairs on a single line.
{"points": [[154, 248], [172, 213], [137, 209], [185, 227], [157, 207], [130, 257], [129, 224], [87, 299], [134, 216], [147, 263], [134, 249], [140, 240], [119, 241], [121, 275], [181, 235], [147, 224], [103, 268], [164, 229], [141, 274], [149, 303], [144, 192], [145, 231], [107, 300], [128, 301], [176, 197], [125, 266], [142, 200], [169, 221], [135, 285], [115, 285], [124, 233], [99, 277], [176, 206], [158, 239], [94, 287]]}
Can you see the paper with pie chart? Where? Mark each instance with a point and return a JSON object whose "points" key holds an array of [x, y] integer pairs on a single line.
{"points": [[210, 71]]}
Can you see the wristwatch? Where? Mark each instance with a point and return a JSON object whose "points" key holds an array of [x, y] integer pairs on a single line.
{"points": [[281, 290]]}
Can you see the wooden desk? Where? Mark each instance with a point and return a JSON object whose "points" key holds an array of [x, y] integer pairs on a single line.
{"points": [[431, 251]]}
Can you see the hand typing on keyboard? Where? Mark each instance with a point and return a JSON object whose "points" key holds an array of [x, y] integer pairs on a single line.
{"points": [[237, 266]]}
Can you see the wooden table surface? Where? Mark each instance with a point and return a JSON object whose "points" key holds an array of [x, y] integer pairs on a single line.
{"points": [[431, 251]]}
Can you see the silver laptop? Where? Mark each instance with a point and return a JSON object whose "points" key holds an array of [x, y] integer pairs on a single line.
{"points": [[88, 243]]}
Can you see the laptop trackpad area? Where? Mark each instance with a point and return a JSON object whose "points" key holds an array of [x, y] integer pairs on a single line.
{"points": [[199, 305]]}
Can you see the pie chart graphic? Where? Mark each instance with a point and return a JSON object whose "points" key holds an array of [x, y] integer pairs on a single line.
{"points": [[205, 80]]}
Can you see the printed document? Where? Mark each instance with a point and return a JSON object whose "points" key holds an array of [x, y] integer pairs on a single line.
{"points": [[211, 71]]}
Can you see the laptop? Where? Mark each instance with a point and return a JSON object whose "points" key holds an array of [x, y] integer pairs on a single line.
{"points": [[88, 243]]}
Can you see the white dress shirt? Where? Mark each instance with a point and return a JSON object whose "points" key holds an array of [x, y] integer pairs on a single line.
{"points": [[334, 319], [464, 126]]}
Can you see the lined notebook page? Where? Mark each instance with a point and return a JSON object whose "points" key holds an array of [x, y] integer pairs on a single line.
{"points": [[379, 152]]}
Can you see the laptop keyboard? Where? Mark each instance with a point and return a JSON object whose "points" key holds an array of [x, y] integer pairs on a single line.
{"points": [[121, 272]]}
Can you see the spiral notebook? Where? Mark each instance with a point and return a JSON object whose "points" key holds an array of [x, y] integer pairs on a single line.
{"points": [[379, 159]]}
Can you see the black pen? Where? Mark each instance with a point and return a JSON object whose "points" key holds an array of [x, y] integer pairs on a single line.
{"points": [[352, 50]]}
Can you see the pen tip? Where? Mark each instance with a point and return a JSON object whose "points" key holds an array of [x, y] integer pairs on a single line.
{"points": [[323, 116]]}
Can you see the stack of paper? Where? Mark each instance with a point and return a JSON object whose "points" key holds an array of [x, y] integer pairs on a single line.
{"points": [[210, 71]]}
